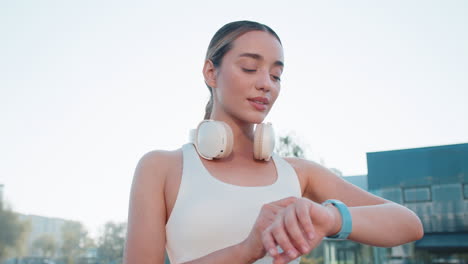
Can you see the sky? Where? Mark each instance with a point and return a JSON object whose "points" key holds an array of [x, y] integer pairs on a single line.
{"points": [[88, 87]]}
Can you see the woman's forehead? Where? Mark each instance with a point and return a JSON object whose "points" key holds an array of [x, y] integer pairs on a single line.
{"points": [[261, 43]]}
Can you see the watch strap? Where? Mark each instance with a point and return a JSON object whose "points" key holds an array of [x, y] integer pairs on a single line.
{"points": [[346, 220]]}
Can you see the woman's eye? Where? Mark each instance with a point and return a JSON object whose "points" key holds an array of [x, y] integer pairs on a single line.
{"points": [[276, 78]]}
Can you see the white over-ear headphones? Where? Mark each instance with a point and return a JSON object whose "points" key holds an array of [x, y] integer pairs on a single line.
{"points": [[214, 140]]}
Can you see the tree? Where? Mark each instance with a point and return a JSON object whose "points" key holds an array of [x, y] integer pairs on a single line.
{"points": [[46, 244], [12, 229], [74, 240], [287, 147], [111, 242], [22, 242]]}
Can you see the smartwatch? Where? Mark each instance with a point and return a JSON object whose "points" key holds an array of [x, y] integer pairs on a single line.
{"points": [[346, 221]]}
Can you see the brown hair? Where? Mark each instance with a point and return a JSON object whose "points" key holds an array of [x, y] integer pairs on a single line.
{"points": [[221, 43]]}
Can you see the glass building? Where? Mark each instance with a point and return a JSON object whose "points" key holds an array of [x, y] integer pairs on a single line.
{"points": [[431, 181]]}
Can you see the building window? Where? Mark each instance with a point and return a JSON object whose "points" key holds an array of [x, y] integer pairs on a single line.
{"points": [[417, 194]]}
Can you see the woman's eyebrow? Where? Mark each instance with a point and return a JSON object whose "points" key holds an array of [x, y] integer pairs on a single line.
{"points": [[259, 57]]}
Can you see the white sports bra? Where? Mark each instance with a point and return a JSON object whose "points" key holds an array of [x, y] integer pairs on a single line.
{"points": [[210, 215]]}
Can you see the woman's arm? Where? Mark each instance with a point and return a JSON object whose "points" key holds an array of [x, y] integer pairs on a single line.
{"points": [[385, 225], [146, 239], [376, 221]]}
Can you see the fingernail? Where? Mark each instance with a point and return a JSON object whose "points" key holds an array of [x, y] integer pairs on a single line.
{"points": [[292, 254], [305, 249], [311, 235], [272, 251]]}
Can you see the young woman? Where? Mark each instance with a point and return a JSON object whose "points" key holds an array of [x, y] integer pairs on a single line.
{"points": [[245, 207]]}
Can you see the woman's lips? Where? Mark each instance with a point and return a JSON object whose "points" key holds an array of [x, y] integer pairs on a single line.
{"points": [[258, 105]]}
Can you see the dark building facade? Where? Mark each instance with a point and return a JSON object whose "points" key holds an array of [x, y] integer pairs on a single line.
{"points": [[433, 182]]}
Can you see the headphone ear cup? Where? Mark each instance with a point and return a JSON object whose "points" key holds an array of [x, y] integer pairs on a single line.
{"points": [[258, 141], [264, 141], [213, 139], [229, 141]]}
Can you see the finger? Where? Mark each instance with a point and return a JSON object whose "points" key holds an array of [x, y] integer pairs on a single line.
{"points": [[285, 201], [294, 231], [268, 210], [266, 218], [282, 258], [305, 219], [269, 243], [273, 207], [314, 213], [281, 237]]}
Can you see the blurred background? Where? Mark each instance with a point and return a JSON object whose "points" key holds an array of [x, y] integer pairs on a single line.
{"points": [[375, 91]]}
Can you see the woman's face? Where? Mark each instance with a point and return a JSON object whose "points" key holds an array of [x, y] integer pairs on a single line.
{"points": [[248, 80]]}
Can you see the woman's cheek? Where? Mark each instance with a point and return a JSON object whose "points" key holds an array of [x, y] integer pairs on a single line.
{"points": [[275, 94]]}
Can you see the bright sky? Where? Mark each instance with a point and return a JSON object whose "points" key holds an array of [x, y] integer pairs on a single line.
{"points": [[88, 87]]}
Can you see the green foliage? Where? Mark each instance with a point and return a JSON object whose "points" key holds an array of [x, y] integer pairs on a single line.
{"points": [[288, 147], [12, 230], [74, 240], [22, 242], [310, 260], [46, 244], [111, 242]]}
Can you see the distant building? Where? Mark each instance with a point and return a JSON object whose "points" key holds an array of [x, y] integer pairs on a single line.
{"points": [[41, 225], [358, 180], [431, 181]]}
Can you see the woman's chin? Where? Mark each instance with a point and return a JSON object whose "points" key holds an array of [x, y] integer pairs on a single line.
{"points": [[251, 117], [256, 118]]}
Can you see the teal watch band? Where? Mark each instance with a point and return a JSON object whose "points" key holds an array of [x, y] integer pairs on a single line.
{"points": [[346, 223]]}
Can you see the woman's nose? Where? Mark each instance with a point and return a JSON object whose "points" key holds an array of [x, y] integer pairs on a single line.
{"points": [[264, 81]]}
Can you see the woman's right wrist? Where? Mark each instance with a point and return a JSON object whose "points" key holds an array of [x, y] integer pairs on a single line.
{"points": [[245, 250]]}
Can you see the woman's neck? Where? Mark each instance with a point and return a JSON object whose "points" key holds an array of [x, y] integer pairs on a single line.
{"points": [[243, 137]]}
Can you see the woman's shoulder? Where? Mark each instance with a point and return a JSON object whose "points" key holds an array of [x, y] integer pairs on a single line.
{"points": [[304, 165], [312, 175], [155, 157], [157, 164], [310, 168]]}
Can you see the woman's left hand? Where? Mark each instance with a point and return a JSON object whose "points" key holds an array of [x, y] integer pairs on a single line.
{"points": [[302, 225]]}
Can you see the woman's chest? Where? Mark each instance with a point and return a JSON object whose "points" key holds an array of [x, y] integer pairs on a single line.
{"points": [[232, 176]]}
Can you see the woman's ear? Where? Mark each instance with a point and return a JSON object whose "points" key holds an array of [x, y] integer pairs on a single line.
{"points": [[210, 72]]}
